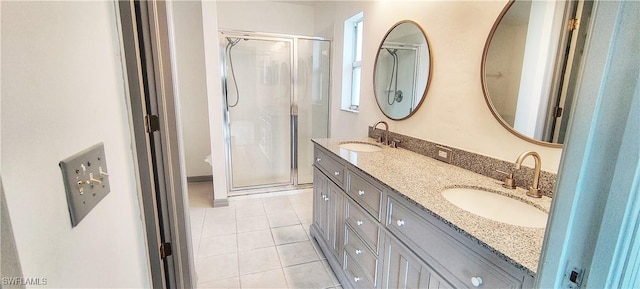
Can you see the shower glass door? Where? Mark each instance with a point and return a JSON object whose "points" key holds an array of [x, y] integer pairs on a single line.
{"points": [[312, 96], [258, 98]]}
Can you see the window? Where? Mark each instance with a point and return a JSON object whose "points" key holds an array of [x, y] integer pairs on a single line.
{"points": [[352, 62]]}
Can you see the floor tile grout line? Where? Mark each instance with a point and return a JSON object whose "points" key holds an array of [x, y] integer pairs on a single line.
{"points": [[308, 240], [235, 221]]}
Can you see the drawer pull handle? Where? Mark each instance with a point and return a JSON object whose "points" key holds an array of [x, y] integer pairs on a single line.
{"points": [[358, 252], [337, 173], [400, 223], [318, 159], [356, 279], [360, 192], [359, 223], [476, 281]]}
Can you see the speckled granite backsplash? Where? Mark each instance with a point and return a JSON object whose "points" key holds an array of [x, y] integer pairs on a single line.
{"points": [[484, 165]]}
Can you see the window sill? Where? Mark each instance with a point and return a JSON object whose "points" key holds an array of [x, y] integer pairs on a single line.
{"points": [[350, 110]]}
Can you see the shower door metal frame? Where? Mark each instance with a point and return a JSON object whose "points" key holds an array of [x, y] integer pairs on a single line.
{"points": [[293, 124]]}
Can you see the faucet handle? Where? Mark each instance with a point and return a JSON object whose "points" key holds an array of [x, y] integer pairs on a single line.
{"points": [[394, 143], [509, 183]]}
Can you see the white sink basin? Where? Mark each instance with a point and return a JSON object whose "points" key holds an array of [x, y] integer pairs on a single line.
{"points": [[360, 146], [496, 207]]}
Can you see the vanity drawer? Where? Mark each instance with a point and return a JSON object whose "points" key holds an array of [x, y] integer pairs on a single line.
{"points": [[355, 274], [365, 194], [408, 226], [363, 224], [333, 168], [360, 254], [444, 252]]}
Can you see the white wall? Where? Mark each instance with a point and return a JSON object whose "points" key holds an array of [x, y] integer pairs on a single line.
{"points": [[215, 101], [504, 70], [63, 91], [295, 17], [454, 111], [190, 85]]}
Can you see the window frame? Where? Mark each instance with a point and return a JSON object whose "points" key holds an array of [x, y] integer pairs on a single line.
{"points": [[352, 62]]}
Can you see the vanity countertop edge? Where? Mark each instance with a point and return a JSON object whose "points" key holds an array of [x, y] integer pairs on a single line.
{"points": [[421, 179]]}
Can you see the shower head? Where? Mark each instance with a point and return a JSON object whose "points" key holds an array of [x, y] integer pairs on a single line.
{"points": [[233, 41], [392, 51]]}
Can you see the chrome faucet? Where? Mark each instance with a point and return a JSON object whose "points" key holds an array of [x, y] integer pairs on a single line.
{"points": [[534, 190], [386, 133]]}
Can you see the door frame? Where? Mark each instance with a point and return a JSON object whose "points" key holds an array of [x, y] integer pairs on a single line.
{"points": [[163, 201]]}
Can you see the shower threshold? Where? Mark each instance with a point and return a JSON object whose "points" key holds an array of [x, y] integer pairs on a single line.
{"points": [[268, 189]]}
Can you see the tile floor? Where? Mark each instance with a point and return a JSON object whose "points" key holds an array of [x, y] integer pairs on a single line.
{"points": [[259, 241]]}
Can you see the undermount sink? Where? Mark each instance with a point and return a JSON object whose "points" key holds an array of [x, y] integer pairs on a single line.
{"points": [[496, 207], [360, 146]]}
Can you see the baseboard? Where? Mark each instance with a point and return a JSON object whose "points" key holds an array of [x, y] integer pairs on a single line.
{"points": [[334, 264], [221, 202], [197, 179]]}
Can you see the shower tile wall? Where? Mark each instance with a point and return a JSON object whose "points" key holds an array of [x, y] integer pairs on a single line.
{"points": [[261, 241]]}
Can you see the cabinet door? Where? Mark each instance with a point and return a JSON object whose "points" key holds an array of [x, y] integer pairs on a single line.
{"points": [[327, 211], [404, 270], [335, 224], [320, 204]]}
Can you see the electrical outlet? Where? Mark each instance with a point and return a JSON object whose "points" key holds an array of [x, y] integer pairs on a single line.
{"points": [[573, 276], [86, 181], [444, 154]]}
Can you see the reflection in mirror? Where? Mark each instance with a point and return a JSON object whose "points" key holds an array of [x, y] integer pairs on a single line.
{"points": [[402, 70], [531, 66]]}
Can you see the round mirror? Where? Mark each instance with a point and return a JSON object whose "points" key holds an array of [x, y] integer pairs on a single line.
{"points": [[530, 67], [402, 70]]}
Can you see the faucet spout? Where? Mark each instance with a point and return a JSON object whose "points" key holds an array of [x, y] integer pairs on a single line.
{"points": [[534, 190], [386, 128]]}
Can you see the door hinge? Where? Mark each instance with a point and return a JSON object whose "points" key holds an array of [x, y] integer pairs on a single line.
{"points": [[152, 123], [574, 23], [165, 250], [558, 111]]}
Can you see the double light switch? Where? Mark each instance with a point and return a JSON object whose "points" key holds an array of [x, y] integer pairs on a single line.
{"points": [[86, 181]]}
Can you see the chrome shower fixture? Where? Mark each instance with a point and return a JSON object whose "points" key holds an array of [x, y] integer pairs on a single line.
{"points": [[397, 95]]}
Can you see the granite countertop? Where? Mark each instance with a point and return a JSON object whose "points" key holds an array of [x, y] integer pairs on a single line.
{"points": [[421, 179]]}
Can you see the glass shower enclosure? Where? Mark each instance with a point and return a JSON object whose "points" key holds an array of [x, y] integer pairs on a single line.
{"points": [[276, 91]]}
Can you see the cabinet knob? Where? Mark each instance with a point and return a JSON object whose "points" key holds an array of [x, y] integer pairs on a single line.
{"points": [[326, 199], [359, 223], [400, 223], [360, 192], [337, 173], [358, 252], [318, 159], [476, 281], [356, 279]]}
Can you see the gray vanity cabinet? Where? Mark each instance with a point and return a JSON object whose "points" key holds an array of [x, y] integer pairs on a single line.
{"points": [[403, 270], [462, 261], [374, 237], [328, 203], [327, 209]]}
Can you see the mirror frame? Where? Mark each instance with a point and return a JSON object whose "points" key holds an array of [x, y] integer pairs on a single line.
{"points": [[424, 94], [486, 93]]}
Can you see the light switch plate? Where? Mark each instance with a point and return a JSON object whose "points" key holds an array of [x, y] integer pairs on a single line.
{"points": [[86, 181]]}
